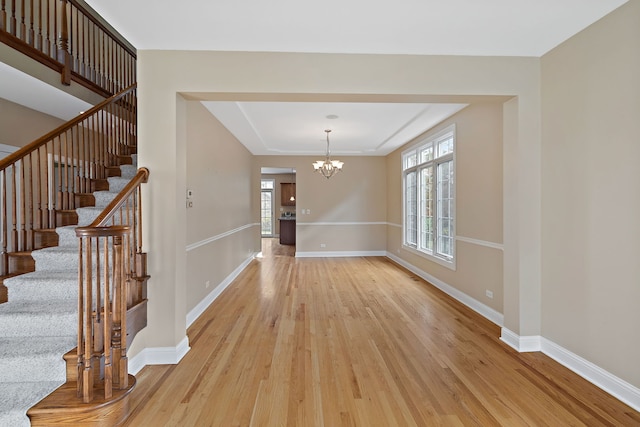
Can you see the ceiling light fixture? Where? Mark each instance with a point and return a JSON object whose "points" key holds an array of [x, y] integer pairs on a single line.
{"points": [[328, 167]]}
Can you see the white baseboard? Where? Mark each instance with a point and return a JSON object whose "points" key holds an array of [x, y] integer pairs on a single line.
{"points": [[465, 299], [605, 380], [339, 254], [215, 293], [159, 356], [521, 344]]}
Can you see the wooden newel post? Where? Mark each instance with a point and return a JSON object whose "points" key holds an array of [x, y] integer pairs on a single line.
{"points": [[119, 328], [64, 56]]}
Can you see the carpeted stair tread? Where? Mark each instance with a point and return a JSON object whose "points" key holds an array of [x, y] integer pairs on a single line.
{"points": [[67, 236], [38, 318], [17, 398], [128, 171], [117, 183], [87, 214], [103, 198], [57, 258], [43, 284], [36, 358]]}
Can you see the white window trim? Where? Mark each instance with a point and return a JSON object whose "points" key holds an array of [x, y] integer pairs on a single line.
{"points": [[446, 262], [273, 207]]}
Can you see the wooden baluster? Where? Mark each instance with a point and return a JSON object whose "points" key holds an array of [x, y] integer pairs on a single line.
{"points": [[23, 208], [68, 167], [39, 188], [3, 221], [73, 42], [103, 59], [14, 209], [94, 49], [39, 45], [29, 197], [23, 25], [3, 15], [62, 166], [82, 164], [58, 173], [49, 185], [32, 33], [12, 19], [108, 324], [82, 47], [50, 34], [82, 242], [64, 57], [103, 144]]}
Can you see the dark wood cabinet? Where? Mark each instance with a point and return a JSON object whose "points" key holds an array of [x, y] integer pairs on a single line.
{"points": [[287, 231], [287, 193]]}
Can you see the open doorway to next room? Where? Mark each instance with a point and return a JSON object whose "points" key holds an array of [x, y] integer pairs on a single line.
{"points": [[278, 209]]}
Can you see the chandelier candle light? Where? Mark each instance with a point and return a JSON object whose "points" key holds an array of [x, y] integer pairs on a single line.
{"points": [[328, 167]]}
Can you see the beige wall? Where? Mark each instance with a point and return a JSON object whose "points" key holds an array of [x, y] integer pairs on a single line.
{"points": [[166, 78], [591, 197], [221, 234], [347, 212], [21, 125], [479, 192]]}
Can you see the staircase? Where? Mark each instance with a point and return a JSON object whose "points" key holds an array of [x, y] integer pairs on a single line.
{"points": [[38, 324], [72, 271]]}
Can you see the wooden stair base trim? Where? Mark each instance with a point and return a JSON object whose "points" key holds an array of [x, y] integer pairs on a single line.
{"points": [[125, 159], [63, 407], [66, 217], [83, 200], [113, 171], [4, 291], [21, 262], [45, 238], [99, 185]]}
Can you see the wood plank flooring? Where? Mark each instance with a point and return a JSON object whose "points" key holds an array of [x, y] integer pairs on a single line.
{"points": [[357, 342]]}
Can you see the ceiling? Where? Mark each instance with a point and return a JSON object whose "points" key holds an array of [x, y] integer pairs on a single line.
{"points": [[420, 27]]}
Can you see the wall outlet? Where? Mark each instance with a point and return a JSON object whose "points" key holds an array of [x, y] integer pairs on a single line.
{"points": [[322, 245], [207, 283], [189, 194], [308, 211], [189, 203], [489, 293]]}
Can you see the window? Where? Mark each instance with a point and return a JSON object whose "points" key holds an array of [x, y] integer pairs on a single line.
{"points": [[428, 175], [266, 207]]}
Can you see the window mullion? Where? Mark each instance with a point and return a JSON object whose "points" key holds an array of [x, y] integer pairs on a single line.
{"points": [[436, 206]]}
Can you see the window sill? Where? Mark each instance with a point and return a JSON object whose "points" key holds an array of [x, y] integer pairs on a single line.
{"points": [[450, 264]]}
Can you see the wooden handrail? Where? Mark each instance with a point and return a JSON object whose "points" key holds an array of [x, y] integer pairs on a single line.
{"points": [[31, 147]]}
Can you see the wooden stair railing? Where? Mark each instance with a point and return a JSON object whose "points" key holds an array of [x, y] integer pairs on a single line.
{"points": [[43, 181], [71, 38], [111, 277]]}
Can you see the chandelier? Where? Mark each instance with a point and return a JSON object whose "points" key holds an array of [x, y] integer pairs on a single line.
{"points": [[328, 167]]}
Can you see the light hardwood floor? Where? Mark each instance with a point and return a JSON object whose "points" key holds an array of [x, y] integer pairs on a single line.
{"points": [[357, 342]]}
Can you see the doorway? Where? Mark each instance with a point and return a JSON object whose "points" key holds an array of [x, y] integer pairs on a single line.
{"points": [[278, 207]]}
